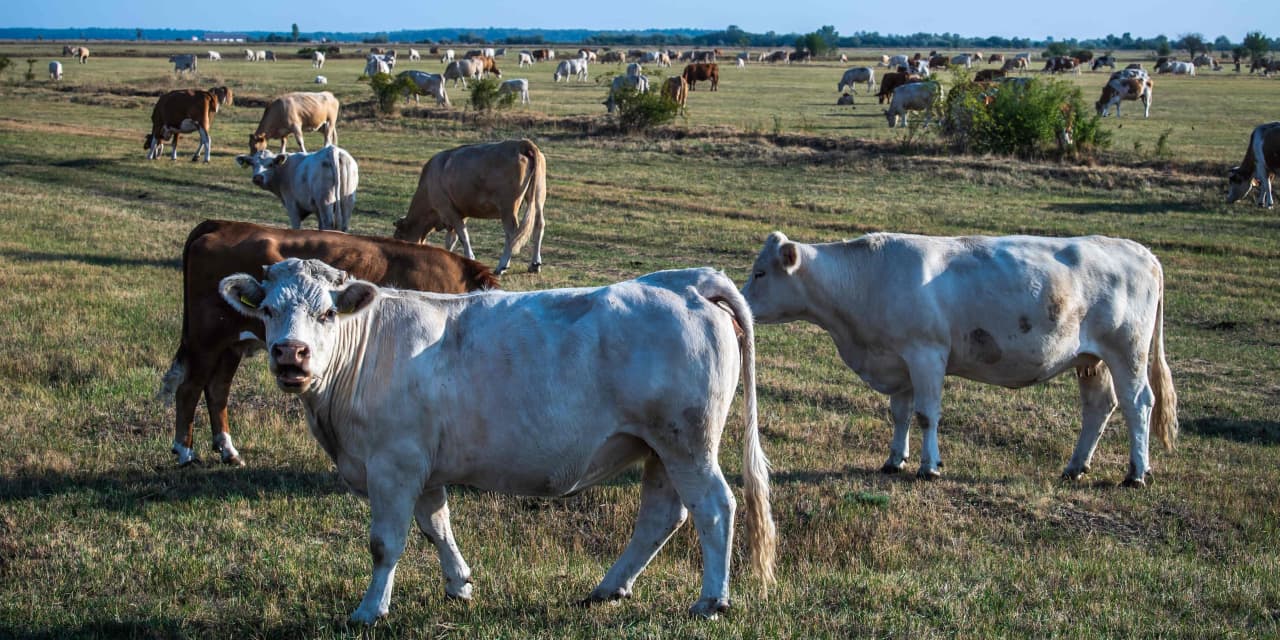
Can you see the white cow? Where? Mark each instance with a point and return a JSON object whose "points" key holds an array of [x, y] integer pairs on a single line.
{"points": [[321, 80], [898, 61], [250, 55], [184, 62], [905, 311], [322, 182], [965, 60], [414, 55], [1178, 68], [214, 55], [1261, 161], [461, 70], [525, 59], [740, 63], [637, 83], [387, 379], [634, 69], [575, 67], [447, 56], [317, 60], [518, 86], [55, 70], [375, 64], [865, 75], [261, 55], [429, 84], [916, 96], [488, 52]]}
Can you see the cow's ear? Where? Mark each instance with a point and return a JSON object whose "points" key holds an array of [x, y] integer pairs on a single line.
{"points": [[789, 257], [243, 293], [355, 297], [281, 159], [242, 160]]}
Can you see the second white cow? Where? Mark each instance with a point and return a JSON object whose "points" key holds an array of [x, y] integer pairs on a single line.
{"points": [[322, 182]]}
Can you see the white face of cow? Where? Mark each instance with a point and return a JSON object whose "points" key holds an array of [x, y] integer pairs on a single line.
{"points": [[1238, 184], [264, 164], [773, 291], [302, 303]]}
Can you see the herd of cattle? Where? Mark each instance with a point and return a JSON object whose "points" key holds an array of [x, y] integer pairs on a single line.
{"points": [[384, 340]]}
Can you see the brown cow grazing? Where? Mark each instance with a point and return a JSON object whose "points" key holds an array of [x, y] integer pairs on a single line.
{"points": [[224, 95], [996, 58], [481, 181], [214, 338], [1261, 161], [490, 65], [939, 62], [988, 75], [292, 113], [182, 111], [702, 71], [892, 81], [676, 89], [1015, 64], [1061, 64]]}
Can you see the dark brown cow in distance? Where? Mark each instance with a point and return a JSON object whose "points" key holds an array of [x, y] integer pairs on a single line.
{"points": [[702, 71], [891, 81], [215, 337]]}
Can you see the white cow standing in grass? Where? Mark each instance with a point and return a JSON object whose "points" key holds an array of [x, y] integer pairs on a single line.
{"points": [[572, 67], [322, 182], [387, 379], [517, 86], [916, 96], [317, 60], [906, 311], [865, 75], [55, 70]]}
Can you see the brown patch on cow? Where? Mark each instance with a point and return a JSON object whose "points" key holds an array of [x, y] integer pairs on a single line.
{"points": [[983, 346], [1024, 325]]}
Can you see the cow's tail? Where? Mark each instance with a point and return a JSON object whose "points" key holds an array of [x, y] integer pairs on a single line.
{"points": [[342, 205], [761, 533], [177, 373], [1164, 415], [533, 192]]}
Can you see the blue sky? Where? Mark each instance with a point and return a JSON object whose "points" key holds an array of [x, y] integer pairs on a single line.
{"points": [[1024, 18]]}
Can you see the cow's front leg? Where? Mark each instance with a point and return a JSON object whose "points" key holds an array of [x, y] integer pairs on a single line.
{"points": [[432, 514], [660, 515], [1097, 402], [927, 372], [296, 214], [217, 392], [392, 494], [900, 406], [466, 244], [173, 153]]}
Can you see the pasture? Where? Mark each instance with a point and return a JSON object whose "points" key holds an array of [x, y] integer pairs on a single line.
{"points": [[100, 534]]}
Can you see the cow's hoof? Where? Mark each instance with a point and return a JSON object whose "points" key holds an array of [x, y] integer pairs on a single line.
{"points": [[1134, 483], [1075, 473], [366, 618], [599, 595], [462, 593], [234, 461], [890, 467], [709, 608], [498, 272], [928, 474], [535, 267]]}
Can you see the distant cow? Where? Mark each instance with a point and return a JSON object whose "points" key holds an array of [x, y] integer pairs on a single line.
{"points": [[463, 70], [939, 62], [250, 55], [916, 96], [427, 84], [488, 65], [1125, 88], [702, 71], [294, 113], [525, 59], [1206, 61], [374, 65], [184, 62], [1015, 64], [1061, 64], [322, 182], [1261, 161], [224, 95], [574, 67], [676, 89], [891, 81], [964, 60], [317, 60], [321, 80], [638, 83], [55, 70], [414, 55], [1177, 68], [865, 75], [481, 181], [988, 75], [517, 86], [906, 311], [178, 112], [79, 53], [270, 55], [996, 58], [262, 55], [214, 55], [447, 56], [215, 339], [1103, 61]]}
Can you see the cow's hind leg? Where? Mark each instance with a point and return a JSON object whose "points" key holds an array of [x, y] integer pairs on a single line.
{"points": [[1136, 400], [1097, 403], [661, 513], [432, 514], [393, 487], [927, 372], [217, 391], [197, 372], [900, 406], [704, 492]]}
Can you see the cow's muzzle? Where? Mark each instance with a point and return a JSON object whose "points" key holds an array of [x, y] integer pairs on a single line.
{"points": [[290, 360], [259, 181]]}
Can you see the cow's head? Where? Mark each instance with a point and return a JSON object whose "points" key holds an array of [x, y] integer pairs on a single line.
{"points": [[264, 165], [774, 290], [302, 303], [1239, 184], [257, 142]]}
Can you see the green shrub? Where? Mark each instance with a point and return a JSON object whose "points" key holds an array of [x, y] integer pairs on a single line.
{"points": [[485, 96], [388, 90], [1024, 118], [640, 111], [5, 63]]}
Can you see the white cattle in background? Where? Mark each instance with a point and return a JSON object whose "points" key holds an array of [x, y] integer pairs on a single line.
{"points": [[1125, 87], [447, 56], [414, 55], [634, 69], [905, 311], [518, 86], [55, 70], [214, 55], [374, 65], [916, 96], [250, 55], [317, 60], [525, 59], [897, 61], [427, 84], [463, 70], [262, 55], [865, 75], [638, 83], [322, 182], [184, 62], [573, 67], [965, 60]]}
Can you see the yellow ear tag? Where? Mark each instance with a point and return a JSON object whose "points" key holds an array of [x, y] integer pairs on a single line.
{"points": [[248, 303]]}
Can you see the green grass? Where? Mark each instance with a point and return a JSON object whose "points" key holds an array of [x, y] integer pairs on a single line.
{"points": [[101, 536]]}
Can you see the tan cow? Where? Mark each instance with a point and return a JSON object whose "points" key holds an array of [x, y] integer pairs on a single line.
{"points": [[676, 89], [293, 113], [481, 181], [80, 53]]}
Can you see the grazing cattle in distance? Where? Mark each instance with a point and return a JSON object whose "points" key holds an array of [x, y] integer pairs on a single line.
{"points": [[178, 112], [573, 67], [317, 60], [866, 75], [799, 56], [617, 57], [462, 70], [1134, 65], [1206, 61], [525, 59], [1061, 64], [261, 55], [414, 55], [321, 80], [891, 81], [55, 70], [939, 62], [322, 182], [544, 54], [374, 65], [1267, 66], [988, 75], [214, 55], [920, 68], [916, 96], [214, 339], [637, 83], [660, 58], [224, 95], [184, 62], [588, 55], [1103, 61], [488, 65], [634, 69], [486, 181], [250, 55], [906, 311], [702, 71], [1261, 161], [427, 84], [401, 435], [447, 56], [474, 53], [1178, 68], [996, 58], [898, 61], [270, 55], [79, 53], [884, 60], [517, 86], [964, 60], [1015, 64], [778, 56], [676, 89], [1125, 88], [293, 113]]}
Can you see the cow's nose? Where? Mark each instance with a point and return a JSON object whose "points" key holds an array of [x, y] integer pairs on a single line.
{"points": [[258, 180], [290, 352]]}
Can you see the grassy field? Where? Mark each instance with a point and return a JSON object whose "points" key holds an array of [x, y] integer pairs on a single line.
{"points": [[100, 535]]}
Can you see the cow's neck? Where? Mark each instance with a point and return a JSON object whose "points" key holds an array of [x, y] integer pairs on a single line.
{"points": [[840, 295], [329, 402]]}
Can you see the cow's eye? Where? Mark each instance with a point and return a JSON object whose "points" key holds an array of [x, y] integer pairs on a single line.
{"points": [[329, 316], [758, 274]]}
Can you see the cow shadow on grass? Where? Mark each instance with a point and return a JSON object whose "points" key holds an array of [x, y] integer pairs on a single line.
{"points": [[158, 627], [86, 163], [90, 259], [1131, 208], [1262, 432]]}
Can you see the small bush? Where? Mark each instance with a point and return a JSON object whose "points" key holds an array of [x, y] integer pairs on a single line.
{"points": [[5, 63], [388, 90], [1021, 118], [485, 96], [30, 75], [640, 111]]}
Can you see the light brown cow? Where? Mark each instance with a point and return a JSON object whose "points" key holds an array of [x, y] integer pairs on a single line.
{"points": [[80, 53], [676, 89], [177, 112], [293, 113], [490, 65], [214, 339], [481, 181]]}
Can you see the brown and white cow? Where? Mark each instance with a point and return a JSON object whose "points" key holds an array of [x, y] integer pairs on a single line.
{"points": [[1117, 89], [293, 113], [214, 338], [79, 53], [702, 71], [1015, 64], [1261, 161], [481, 181], [182, 111], [996, 58], [891, 81]]}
